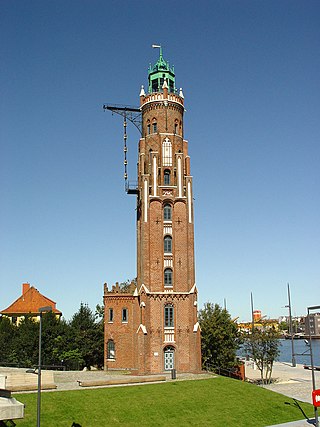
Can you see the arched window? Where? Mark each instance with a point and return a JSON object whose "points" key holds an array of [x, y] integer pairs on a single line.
{"points": [[167, 245], [167, 152], [148, 128], [168, 277], [124, 315], [168, 316], [111, 350], [166, 177], [167, 213], [154, 127]]}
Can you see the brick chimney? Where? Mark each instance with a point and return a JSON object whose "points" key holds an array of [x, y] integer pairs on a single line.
{"points": [[25, 287]]}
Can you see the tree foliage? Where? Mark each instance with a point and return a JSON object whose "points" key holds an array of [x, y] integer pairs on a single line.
{"points": [[262, 345], [26, 342], [88, 336], [75, 344], [7, 336], [219, 337]]}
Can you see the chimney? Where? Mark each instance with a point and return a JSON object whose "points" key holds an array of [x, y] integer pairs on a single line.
{"points": [[25, 287]]}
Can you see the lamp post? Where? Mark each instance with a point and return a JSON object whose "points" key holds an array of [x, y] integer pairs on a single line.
{"points": [[252, 316], [41, 310], [317, 307], [291, 329]]}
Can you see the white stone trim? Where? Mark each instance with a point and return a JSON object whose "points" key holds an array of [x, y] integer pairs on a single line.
{"points": [[196, 327], [154, 164], [179, 177], [167, 229], [193, 289], [143, 286], [145, 191], [168, 263], [189, 202], [143, 329]]}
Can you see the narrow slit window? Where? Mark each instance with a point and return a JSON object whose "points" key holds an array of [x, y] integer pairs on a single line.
{"points": [[124, 315], [111, 350], [154, 127], [168, 282], [168, 245], [168, 316], [166, 177], [167, 213], [167, 152]]}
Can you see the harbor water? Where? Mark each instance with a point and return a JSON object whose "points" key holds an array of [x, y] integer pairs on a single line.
{"points": [[301, 350]]}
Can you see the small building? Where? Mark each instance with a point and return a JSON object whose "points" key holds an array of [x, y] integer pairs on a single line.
{"points": [[257, 315], [28, 304], [313, 326]]}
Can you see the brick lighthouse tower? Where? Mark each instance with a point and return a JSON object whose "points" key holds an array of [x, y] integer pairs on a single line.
{"points": [[151, 326]]}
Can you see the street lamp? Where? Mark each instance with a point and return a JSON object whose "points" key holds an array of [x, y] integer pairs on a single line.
{"points": [[291, 330], [41, 310], [317, 307]]}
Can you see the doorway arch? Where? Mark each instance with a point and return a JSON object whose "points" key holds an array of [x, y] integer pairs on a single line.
{"points": [[168, 353]]}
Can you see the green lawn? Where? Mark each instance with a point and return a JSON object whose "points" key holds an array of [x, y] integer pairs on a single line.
{"points": [[220, 402]]}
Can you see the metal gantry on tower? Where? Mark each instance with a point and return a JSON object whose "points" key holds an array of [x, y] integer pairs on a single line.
{"points": [[133, 114]]}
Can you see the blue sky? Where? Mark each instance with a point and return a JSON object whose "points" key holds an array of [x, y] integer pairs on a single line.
{"points": [[250, 75]]}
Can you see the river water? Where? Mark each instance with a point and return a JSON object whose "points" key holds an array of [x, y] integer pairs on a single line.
{"points": [[302, 351]]}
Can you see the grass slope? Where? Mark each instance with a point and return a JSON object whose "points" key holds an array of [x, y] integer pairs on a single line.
{"points": [[214, 402]]}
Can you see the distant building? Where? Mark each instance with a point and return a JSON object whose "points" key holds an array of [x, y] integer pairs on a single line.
{"points": [[28, 304], [257, 315], [313, 326]]}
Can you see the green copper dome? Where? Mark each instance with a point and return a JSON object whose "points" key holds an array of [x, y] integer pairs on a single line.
{"points": [[160, 71]]}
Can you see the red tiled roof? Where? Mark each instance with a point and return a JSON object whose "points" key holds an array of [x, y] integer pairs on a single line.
{"points": [[30, 302]]}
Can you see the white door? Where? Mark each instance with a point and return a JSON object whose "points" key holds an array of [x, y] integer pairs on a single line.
{"points": [[168, 359]]}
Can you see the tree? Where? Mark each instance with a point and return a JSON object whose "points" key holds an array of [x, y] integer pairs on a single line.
{"points": [[99, 313], [262, 345], [88, 336], [55, 339], [219, 337], [284, 326], [75, 344], [26, 342], [7, 334]]}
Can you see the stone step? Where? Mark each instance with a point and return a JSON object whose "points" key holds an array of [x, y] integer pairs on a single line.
{"points": [[22, 381]]}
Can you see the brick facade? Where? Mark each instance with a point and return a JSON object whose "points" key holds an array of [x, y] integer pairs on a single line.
{"points": [[161, 331]]}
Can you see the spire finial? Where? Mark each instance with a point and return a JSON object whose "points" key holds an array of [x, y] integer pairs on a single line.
{"points": [[142, 92]]}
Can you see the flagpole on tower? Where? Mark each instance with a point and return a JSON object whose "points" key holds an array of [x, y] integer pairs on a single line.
{"points": [[157, 46]]}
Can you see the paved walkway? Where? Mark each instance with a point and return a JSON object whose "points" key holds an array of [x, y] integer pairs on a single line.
{"points": [[292, 382], [301, 423], [68, 380]]}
